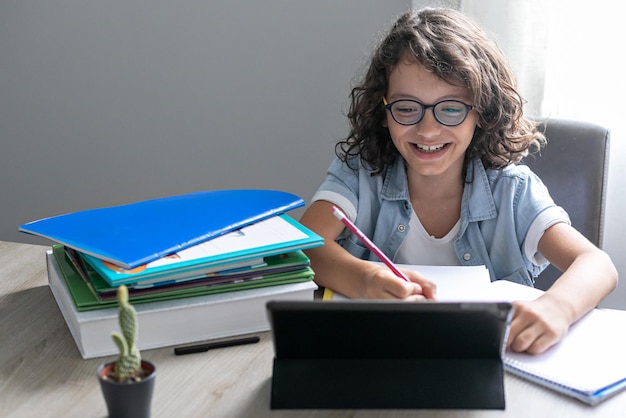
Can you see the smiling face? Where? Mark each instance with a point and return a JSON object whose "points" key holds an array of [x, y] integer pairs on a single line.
{"points": [[428, 147]]}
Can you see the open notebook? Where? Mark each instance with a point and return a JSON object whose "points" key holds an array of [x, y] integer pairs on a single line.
{"points": [[589, 364]]}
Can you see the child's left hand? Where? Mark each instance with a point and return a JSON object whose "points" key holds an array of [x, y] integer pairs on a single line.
{"points": [[537, 325]]}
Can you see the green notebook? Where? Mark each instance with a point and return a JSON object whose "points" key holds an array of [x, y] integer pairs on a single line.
{"points": [[92, 292]]}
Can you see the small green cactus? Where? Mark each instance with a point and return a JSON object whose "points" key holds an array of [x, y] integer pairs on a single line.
{"points": [[128, 365]]}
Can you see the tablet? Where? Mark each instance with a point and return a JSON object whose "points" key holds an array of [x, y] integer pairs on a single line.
{"points": [[388, 354]]}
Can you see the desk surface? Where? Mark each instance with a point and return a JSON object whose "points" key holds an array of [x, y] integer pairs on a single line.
{"points": [[42, 373]]}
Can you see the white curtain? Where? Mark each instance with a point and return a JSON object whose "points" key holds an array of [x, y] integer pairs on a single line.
{"points": [[568, 57], [584, 63]]}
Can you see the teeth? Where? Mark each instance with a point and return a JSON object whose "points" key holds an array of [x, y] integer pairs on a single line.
{"points": [[429, 148]]}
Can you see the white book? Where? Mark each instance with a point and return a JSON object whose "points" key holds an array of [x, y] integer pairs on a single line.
{"points": [[454, 283], [172, 322]]}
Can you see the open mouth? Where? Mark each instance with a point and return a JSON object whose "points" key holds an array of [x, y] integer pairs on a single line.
{"points": [[430, 148]]}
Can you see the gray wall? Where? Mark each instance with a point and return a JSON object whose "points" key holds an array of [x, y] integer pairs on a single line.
{"points": [[109, 102]]}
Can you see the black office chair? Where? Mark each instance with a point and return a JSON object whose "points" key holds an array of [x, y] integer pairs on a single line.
{"points": [[574, 167]]}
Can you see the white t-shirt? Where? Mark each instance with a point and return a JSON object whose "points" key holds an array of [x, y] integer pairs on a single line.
{"points": [[421, 248]]}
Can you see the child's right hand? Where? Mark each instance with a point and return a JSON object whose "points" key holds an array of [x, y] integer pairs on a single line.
{"points": [[382, 283]]}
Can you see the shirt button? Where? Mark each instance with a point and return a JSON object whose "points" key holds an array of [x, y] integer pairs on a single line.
{"points": [[467, 256], [401, 228]]}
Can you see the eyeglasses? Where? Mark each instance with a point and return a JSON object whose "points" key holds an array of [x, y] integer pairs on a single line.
{"points": [[411, 112]]}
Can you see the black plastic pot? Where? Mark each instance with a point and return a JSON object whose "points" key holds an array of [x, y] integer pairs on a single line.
{"points": [[126, 400]]}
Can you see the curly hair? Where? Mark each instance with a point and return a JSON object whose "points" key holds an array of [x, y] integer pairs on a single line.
{"points": [[457, 50]]}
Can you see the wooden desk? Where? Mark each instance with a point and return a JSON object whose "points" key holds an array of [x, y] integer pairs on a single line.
{"points": [[43, 375]]}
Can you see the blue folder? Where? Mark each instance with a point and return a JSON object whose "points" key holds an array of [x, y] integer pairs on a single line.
{"points": [[134, 234]]}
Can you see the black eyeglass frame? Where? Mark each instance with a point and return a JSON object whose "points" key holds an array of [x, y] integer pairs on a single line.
{"points": [[425, 107]]}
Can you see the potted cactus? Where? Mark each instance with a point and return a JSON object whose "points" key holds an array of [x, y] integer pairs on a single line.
{"points": [[128, 382]]}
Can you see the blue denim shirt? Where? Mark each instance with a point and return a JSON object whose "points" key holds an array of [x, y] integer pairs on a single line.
{"points": [[498, 207]]}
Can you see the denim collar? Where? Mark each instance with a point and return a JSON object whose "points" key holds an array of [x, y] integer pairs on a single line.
{"points": [[477, 204], [395, 182], [477, 195]]}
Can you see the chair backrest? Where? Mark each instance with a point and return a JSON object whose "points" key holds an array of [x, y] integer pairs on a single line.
{"points": [[574, 167]]}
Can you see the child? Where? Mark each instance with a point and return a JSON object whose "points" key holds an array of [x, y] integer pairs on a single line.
{"points": [[428, 173]]}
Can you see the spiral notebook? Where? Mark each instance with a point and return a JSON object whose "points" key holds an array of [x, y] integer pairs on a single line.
{"points": [[589, 364]]}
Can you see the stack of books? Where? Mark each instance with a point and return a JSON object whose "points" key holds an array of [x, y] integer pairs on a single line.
{"points": [[198, 267]]}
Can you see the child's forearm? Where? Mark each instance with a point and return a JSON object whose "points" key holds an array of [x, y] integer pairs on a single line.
{"points": [[338, 270], [588, 280]]}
